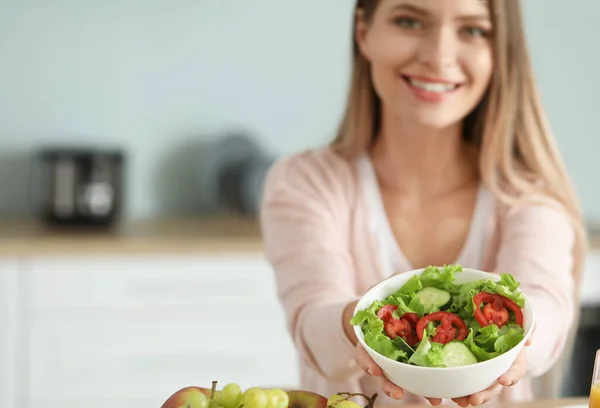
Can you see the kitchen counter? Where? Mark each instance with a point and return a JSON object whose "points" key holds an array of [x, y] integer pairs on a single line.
{"points": [[557, 403], [163, 235], [169, 235]]}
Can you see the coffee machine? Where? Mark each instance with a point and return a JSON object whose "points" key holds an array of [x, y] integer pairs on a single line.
{"points": [[81, 186]]}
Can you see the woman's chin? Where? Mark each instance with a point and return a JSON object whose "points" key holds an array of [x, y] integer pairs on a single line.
{"points": [[432, 120]]}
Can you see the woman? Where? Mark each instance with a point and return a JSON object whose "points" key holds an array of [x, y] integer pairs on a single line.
{"points": [[443, 156]]}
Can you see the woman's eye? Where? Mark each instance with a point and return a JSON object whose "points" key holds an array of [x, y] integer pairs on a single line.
{"points": [[476, 32], [407, 22]]}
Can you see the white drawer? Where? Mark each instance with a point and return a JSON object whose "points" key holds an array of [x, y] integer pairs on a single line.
{"points": [[45, 402], [156, 281], [9, 333], [151, 360]]}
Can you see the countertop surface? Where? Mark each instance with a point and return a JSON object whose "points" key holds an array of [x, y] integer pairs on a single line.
{"points": [[563, 403], [168, 235], [186, 234]]}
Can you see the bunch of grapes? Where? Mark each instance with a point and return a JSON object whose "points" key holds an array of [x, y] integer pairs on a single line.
{"points": [[231, 396]]}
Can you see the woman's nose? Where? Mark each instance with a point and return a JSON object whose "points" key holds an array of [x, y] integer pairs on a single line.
{"points": [[440, 49]]}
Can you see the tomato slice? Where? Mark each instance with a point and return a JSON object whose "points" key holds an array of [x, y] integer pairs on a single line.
{"points": [[496, 309], [385, 312], [401, 328], [446, 331], [496, 315], [412, 318], [404, 327]]}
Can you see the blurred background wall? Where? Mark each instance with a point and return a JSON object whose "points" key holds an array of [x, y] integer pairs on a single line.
{"points": [[155, 78]]}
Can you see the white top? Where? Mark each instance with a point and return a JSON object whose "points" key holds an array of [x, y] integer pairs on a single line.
{"points": [[391, 256]]}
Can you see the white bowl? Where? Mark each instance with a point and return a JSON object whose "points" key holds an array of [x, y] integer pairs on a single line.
{"points": [[438, 382]]}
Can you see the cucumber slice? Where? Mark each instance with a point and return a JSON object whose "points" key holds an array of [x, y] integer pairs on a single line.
{"points": [[403, 345], [433, 298], [456, 354]]}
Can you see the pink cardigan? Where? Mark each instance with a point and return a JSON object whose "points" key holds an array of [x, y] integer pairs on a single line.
{"points": [[316, 234]]}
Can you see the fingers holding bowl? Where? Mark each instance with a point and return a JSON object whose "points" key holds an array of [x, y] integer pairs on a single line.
{"points": [[391, 389], [516, 372], [365, 361], [369, 366], [434, 401], [479, 398]]}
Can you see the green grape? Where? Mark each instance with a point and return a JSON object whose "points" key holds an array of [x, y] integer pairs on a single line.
{"points": [[347, 404], [255, 398], [273, 399], [196, 400], [283, 399], [213, 403], [230, 396], [335, 399]]}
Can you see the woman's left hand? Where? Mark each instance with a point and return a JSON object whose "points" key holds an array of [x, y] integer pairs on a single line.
{"points": [[515, 374]]}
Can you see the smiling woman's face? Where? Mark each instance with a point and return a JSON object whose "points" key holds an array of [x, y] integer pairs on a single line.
{"points": [[431, 60]]}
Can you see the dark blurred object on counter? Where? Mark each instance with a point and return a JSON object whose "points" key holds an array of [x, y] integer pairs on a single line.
{"points": [[232, 170], [80, 186]]}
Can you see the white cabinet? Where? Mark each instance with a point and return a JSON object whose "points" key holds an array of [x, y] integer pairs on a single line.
{"points": [[129, 331], [9, 333]]}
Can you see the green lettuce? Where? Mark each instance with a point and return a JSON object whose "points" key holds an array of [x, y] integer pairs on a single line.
{"points": [[462, 295], [427, 354]]}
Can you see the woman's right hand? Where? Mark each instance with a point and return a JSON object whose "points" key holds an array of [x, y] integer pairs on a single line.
{"points": [[368, 364], [390, 389]]}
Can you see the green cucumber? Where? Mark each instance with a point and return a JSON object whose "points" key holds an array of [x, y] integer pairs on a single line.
{"points": [[433, 298], [456, 354]]}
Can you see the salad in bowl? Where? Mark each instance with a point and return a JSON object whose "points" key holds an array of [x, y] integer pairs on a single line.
{"points": [[437, 320]]}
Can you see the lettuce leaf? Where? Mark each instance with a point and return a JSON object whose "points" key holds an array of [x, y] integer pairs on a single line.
{"points": [[430, 277], [428, 354], [490, 341], [462, 298], [374, 335]]}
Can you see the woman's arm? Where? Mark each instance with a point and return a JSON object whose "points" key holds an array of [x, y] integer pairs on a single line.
{"points": [[536, 247], [305, 220]]}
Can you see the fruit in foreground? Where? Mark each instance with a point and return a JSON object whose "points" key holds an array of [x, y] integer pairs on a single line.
{"points": [[306, 399], [335, 399], [231, 396], [278, 398], [343, 400], [189, 397], [346, 404], [255, 398]]}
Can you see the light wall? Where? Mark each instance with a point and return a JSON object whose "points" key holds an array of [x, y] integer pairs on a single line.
{"points": [[155, 77]]}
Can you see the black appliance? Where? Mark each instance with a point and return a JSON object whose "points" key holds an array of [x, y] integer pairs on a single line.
{"points": [[81, 186], [232, 169]]}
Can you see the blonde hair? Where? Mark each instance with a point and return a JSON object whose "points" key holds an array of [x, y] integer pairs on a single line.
{"points": [[518, 156]]}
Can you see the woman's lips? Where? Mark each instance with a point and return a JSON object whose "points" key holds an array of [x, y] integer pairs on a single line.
{"points": [[431, 89]]}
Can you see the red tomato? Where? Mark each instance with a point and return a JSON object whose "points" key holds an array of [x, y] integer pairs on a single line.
{"points": [[496, 309], [496, 315], [385, 312], [403, 327], [400, 328], [412, 318], [445, 332]]}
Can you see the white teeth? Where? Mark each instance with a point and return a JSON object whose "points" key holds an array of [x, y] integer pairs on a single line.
{"points": [[432, 86]]}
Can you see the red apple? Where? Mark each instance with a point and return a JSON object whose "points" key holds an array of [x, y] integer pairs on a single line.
{"points": [[306, 399], [189, 397]]}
